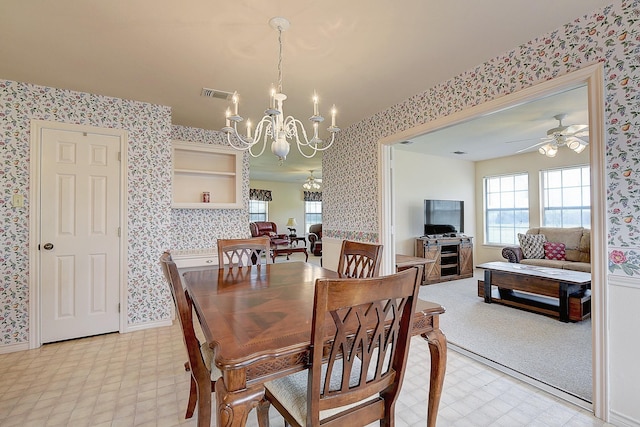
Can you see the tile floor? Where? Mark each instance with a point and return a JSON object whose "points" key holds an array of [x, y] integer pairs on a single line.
{"points": [[138, 379]]}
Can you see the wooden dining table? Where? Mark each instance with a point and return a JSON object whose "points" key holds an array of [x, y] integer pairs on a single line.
{"points": [[258, 322]]}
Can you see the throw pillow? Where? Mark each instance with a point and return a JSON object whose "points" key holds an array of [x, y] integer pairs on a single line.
{"points": [[554, 250], [532, 245], [272, 234]]}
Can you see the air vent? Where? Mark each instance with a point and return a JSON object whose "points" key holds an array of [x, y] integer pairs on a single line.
{"points": [[459, 152], [215, 93]]}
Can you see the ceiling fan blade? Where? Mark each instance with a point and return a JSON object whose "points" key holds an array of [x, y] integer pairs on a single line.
{"points": [[575, 129], [519, 140], [535, 145]]}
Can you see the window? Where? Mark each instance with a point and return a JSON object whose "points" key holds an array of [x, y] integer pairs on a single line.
{"points": [[258, 210], [566, 197], [312, 214], [506, 208]]}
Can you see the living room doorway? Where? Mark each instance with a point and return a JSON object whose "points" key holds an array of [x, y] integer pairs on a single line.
{"points": [[591, 77]]}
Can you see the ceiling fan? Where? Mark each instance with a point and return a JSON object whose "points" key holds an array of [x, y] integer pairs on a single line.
{"points": [[570, 136]]}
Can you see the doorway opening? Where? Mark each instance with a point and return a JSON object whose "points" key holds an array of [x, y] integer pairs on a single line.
{"points": [[590, 76]]}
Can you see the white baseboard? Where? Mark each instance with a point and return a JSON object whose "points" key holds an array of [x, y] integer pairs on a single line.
{"points": [[622, 421], [147, 325], [12, 348]]}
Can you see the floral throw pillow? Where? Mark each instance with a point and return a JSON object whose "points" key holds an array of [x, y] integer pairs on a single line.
{"points": [[532, 245], [554, 250]]}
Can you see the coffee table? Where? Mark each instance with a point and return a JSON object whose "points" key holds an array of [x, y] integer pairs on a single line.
{"points": [[560, 293], [287, 250]]}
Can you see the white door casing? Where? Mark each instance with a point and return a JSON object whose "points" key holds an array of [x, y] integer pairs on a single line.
{"points": [[79, 252]]}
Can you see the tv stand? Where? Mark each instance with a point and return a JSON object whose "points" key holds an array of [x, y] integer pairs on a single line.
{"points": [[453, 257]]}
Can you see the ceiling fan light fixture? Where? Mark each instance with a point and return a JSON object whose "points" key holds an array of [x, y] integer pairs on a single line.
{"points": [[552, 151], [580, 148], [573, 144]]}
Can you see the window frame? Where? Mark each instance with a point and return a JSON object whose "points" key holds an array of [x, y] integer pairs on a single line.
{"points": [[253, 215], [515, 211], [307, 221], [584, 191]]}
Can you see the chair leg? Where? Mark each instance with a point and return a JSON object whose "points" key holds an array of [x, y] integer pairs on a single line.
{"points": [[263, 413], [193, 398], [204, 404]]}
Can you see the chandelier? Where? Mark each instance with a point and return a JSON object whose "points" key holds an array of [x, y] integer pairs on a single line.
{"points": [[550, 149], [311, 183], [274, 126]]}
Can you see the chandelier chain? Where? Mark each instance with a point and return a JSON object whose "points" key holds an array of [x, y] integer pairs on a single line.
{"points": [[280, 60]]}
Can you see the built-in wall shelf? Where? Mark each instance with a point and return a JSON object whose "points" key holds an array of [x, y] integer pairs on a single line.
{"points": [[200, 168]]}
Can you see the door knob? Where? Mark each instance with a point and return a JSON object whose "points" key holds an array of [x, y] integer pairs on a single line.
{"points": [[48, 246]]}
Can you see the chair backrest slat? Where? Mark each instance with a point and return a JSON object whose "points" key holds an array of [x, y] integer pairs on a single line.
{"points": [[359, 260], [244, 252]]}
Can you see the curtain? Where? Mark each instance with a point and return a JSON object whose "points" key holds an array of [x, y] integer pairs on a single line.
{"points": [[313, 196], [262, 195]]}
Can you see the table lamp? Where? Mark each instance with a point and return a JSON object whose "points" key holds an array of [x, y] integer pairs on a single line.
{"points": [[291, 224]]}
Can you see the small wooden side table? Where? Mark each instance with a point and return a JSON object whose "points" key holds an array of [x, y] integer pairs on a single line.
{"points": [[405, 261], [296, 239]]}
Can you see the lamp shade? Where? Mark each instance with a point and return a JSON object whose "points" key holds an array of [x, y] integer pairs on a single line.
{"points": [[291, 222]]}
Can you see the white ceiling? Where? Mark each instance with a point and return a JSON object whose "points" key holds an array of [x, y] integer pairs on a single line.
{"points": [[361, 56]]}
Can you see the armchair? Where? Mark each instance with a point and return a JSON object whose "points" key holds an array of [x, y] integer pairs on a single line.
{"points": [[315, 239], [269, 229]]}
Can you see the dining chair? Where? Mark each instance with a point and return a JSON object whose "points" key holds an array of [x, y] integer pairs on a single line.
{"points": [[244, 252], [359, 260], [204, 373], [359, 346]]}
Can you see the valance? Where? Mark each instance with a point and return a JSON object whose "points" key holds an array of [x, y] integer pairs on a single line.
{"points": [[313, 196], [262, 195]]}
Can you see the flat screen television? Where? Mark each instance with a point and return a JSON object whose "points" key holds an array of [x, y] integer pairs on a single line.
{"points": [[443, 216]]}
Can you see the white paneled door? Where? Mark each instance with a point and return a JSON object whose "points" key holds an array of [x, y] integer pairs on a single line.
{"points": [[79, 234]]}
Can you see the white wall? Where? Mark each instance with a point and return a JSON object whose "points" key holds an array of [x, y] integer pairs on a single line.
{"points": [[532, 163], [419, 177], [288, 202]]}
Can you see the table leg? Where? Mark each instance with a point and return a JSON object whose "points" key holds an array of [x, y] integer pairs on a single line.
{"points": [[438, 349], [487, 286], [234, 407], [564, 302]]}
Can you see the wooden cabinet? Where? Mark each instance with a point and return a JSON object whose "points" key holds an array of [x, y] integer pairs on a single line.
{"points": [[200, 168], [452, 258]]}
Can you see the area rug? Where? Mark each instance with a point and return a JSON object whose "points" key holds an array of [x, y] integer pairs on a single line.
{"points": [[541, 347]]}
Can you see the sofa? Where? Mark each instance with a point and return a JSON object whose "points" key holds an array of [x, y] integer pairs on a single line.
{"points": [[315, 239], [270, 229], [565, 248]]}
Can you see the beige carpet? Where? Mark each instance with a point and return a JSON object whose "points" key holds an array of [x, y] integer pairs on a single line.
{"points": [[541, 347]]}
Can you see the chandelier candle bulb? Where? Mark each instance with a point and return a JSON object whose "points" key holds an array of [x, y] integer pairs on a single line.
{"points": [[227, 114], [272, 99], [249, 129], [235, 104], [333, 116], [315, 103]]}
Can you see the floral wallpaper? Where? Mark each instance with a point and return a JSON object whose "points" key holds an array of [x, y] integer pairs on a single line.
{"points": [[200, 228], [610, 36], [149, 176]]}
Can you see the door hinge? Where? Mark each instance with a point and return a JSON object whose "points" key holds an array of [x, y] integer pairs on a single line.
{"points": [[118, 307], [119, 232], [119, 156]]}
